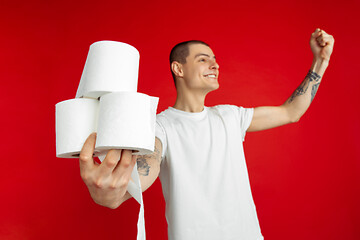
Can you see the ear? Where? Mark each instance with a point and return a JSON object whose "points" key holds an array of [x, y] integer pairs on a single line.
{"points": [[176, 68]]}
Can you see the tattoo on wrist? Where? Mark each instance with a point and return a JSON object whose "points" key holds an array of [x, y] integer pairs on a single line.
{"points": [[313, 76], [301, 90], [142, 166]]}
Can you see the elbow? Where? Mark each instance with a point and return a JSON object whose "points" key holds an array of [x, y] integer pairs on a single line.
{"points": [[295, 119], [292, 115]]}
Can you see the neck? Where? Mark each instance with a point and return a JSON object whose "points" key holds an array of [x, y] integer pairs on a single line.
{"points": [[190, 101]]}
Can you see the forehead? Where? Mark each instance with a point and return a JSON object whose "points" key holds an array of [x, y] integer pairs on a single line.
{"points": [[195, 49]]}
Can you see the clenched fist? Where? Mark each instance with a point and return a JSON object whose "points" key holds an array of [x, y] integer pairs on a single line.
{"points": [[321, 44]]}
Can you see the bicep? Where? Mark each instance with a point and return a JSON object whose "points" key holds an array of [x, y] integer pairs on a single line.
{"points": [[148, 166], [269, 117]]}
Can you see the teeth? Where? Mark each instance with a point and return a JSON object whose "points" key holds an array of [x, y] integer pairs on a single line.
{"points": [[211, 75]]}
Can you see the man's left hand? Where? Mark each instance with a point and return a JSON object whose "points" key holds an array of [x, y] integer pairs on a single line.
{"points": [[321, 44]]}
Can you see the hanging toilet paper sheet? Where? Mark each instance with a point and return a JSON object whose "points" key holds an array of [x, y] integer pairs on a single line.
{"points": [[122, 120], [134, 188], [110, 67]]}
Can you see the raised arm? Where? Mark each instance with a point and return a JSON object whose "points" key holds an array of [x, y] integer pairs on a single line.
{"points": [[321, 45], [107, 182]]}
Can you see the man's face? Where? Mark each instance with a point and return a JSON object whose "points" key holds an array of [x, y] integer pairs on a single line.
{"points": [[201, 71]]}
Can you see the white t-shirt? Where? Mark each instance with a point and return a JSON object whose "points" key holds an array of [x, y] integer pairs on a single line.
{"points": [[204, 176]]}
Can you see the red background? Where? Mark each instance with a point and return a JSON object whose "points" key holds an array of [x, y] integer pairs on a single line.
{"points": [[304, 176]]}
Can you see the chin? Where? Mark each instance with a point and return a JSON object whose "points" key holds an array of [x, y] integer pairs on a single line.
{"points": [[214, 87]]}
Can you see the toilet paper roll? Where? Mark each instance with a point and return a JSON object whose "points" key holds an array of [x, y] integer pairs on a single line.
{"points": [[122, 120], [127, 121], [75, 120], [110, 67]]}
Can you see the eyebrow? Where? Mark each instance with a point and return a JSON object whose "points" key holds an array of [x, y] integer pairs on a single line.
{"points": [[202, 54]]}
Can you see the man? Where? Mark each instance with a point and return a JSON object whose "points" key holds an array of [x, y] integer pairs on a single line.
{"points": [[199, 149]]}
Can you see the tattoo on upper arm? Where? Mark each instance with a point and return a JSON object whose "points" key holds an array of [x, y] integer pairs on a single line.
{"points": [[310, 77], [157, 155], [142, 166]]}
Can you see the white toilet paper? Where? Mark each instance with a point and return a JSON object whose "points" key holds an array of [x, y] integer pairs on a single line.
{"points": [[76, 119], [136, 191], [110, 67], [127, 121], [122, 120]]}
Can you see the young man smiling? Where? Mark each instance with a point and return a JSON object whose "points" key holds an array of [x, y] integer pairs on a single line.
{"points": [[195, 76], [198, 150]]}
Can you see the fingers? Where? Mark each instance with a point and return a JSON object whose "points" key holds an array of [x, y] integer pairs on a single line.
{"points": [[323, 40], [86, 155], [322, 37], [124, 168], [316, 33], [110, 162]]}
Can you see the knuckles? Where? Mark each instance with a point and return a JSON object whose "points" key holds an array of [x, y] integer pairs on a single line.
{"points": [[110, 163], [123, 182], [125, 162], [85, 158], [113, 185], [99, 183], [107, 192]]}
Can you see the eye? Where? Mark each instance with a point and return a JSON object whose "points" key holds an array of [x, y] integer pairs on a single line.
{"points": [[202, 60]]}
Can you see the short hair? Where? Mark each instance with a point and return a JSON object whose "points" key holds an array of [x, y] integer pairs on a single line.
{"points": [[181, 51]]}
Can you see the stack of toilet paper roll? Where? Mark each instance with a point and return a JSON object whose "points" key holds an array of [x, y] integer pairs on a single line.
{"points": [[107, 102]]}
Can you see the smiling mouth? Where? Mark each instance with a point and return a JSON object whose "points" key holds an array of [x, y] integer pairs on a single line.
{"points": [[210, 75]]}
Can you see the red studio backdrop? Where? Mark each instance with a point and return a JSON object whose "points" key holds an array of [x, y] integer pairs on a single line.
{"points": [[304, 176]]}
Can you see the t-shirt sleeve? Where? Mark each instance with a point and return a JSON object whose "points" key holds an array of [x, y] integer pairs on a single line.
{"points": [[161, 135], [246, 115]]}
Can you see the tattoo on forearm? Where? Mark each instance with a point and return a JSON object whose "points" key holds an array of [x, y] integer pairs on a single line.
{"points": [[314, 90], [300, 90], [310, 77], [142, 166]]}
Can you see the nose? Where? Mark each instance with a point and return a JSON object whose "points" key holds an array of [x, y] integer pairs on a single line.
{"points": [[214, 65]]}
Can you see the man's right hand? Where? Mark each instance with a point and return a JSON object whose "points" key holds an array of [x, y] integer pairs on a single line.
{"points": [[107, 182]]}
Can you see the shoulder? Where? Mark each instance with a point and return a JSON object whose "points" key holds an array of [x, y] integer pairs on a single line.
{"points": [[163, 117], [231, 110], [163, 113], [225, 109]]}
